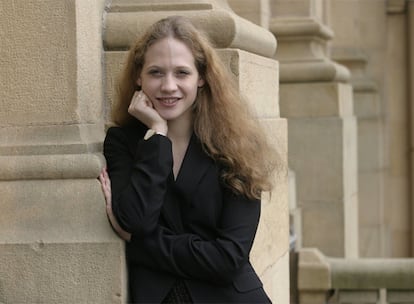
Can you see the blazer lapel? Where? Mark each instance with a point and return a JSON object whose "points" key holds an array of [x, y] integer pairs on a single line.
{"points": [[181, 191], [194, 166]]}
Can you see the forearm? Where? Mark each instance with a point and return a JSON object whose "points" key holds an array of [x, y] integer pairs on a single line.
{"points": [[139, 185], [216, 259], [188, 256]]}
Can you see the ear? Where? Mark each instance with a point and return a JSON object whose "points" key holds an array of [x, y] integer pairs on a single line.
{"points": [[201, 82], [139, 81]]}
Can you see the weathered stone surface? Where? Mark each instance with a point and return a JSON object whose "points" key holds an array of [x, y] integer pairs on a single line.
{"points": [[322, 153], [57, 88], [62, 272], [225, 29], [314, 271]]}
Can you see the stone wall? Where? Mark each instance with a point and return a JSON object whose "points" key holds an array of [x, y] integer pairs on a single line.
{"points": [[55, 243], [60, 61]]}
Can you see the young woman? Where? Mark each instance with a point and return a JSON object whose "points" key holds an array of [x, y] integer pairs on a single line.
{"points": [[186, 165]]}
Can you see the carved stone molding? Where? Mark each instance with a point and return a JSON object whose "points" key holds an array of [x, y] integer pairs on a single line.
{"points": [[51, 152], [126, 20], [356, 61], [36, 167], [303, 52], [396, 6]]}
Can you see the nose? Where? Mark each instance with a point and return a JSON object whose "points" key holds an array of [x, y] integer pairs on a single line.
{"points": [[168, 83]]}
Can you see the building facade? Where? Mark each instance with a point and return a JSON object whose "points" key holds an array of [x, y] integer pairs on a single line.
{"points": [[331, 80]]}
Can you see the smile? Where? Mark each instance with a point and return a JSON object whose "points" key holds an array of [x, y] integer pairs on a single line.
{"points": [[168, 101]]}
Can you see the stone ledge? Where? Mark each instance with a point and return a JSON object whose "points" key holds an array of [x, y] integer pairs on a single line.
{"points": [[355, 60], [124, 6], [372, 273], [37, 167], [225, 29], [303, 51], [51, 139], [314, 271], [396, 6], [313, 71], [286, 27]]}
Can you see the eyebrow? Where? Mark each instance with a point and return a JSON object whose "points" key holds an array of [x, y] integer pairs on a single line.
{"points": [[175, 67]]}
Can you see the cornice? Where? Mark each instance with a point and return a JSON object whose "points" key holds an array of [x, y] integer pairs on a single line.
{"points": [[298, 26], [396, 6], [356, 61], [128, 19], [303, 51]]}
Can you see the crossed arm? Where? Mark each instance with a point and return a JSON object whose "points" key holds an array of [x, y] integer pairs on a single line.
{"points": [[133, 206]]}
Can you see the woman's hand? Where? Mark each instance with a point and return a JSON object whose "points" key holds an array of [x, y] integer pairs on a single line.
{"points": [[142, 109], [106, 188]]}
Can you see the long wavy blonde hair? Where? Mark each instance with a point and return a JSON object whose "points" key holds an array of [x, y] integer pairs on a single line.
{"points": [[222, 121]]}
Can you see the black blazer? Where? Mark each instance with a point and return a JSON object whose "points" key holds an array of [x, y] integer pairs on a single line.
{"points": [[192, 228]]}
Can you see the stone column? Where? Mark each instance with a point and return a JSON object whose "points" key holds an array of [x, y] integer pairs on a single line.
{"points": [[395, 91], [348, 49], [257, 11], [247, 50], [317, 100], [56, 245]]}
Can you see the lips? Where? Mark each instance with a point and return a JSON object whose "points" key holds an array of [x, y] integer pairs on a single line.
{"points": [[168, 101]]}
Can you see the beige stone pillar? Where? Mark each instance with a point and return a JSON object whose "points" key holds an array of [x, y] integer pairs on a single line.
{"points": [[56, 245], [257, 11], [314, 277], [318, 102], [348, 49], [395, 92], [247, 50]]}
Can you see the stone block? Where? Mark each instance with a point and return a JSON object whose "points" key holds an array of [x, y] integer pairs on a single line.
{"points": [[371, 241], [323, 225], [356, 296], [272, 238], [113, 61], [312, 297], [315, 100], [54, 211], [400, 296], [257, 12], [318, 148], [367, 105], [56, 245], [303, 8], [261, 92], [274, 280], [62, 272], [314, 271], [370, 144], [50, 51], [322, 140]]}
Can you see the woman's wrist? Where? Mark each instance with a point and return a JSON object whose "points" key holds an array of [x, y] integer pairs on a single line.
{"points": [[160, 129]]}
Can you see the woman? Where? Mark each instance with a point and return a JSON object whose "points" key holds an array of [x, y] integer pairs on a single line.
{"points": [[186, 168]]}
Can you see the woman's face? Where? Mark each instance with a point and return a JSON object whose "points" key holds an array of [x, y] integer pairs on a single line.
{"points": [[170, 79]]}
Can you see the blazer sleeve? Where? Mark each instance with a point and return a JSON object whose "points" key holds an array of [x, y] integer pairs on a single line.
{"points": [[189, 256], [138, 191]]}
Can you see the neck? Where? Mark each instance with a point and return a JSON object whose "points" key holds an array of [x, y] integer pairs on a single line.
{"points": [[180, 130]]}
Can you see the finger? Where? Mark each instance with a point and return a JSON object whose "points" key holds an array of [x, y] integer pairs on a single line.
{"points": [[102, 181], [108, 180]]}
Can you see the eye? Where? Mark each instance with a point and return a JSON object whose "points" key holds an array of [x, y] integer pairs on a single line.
{"points": [[183, 73], [155, 72]]}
